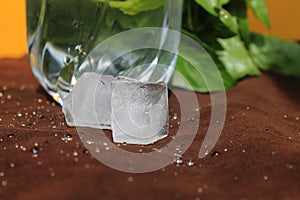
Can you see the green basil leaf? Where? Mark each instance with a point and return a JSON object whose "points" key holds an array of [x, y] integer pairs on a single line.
{"points": [[274, 54], [260, 10], [236, 58], [200, 71], [211, 6], [228, 20], [133, 7]]}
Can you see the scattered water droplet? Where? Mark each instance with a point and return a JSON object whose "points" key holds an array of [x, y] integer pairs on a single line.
{"points": [[297, 118], [4, 183], [9, 97], [130, 179], [85, 151], [216, 153], [197, 109], [289, 166], [200, 190], [11, 135], [75, 153], [12, 165], [19, 114], [225, 150], [244, 150], [52, 174], [34, 150], [266, 178], [67, 138], [285, 116], [190, 162], [175, 116], [178, 160], [2, 174]]}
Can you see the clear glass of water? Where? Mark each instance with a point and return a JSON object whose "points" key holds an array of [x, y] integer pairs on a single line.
{"points": [[62, 34]]}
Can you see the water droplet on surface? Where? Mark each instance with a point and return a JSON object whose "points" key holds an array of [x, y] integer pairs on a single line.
{"points": [[190, 162], [34, 150], [9, 97], [2, 174], [67, 138], [244, 150], [130, 179], [175, 116], [266, 178], [75, 153], [12, 165], [11, 135], [200, 190], [297, 118], [289, 166], [85, 151], [52, 174], [285, 116], [4, 183], [178, 160], [215, 153]]}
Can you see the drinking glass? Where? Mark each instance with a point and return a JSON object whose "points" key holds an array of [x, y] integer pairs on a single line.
{"points": [[62, 33]]}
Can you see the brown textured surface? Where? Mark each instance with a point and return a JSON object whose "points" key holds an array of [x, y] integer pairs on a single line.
{"points": [[262, 160]]}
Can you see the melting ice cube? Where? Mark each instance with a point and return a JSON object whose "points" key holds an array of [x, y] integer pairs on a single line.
{"points": [[136, 112], [139, 111], [89, 103]]}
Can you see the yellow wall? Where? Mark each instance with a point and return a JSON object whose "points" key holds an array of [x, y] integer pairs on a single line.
{"points": [[284, 15]]}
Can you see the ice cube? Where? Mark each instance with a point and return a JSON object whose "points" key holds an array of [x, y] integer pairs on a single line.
{"points": [[136, 112], [89, 103], [139, 111]]}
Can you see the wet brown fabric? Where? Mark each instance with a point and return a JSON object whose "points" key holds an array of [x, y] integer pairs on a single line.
{"points": [[257, 156]]}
